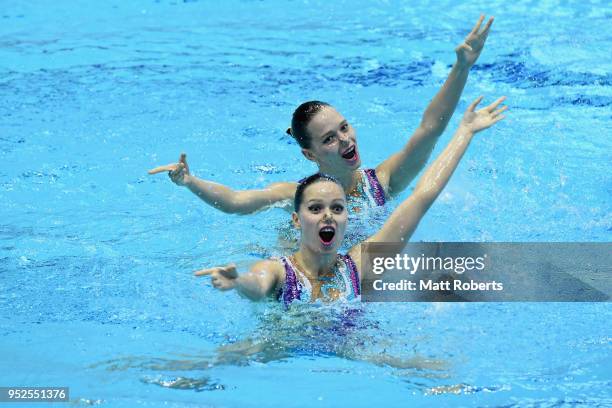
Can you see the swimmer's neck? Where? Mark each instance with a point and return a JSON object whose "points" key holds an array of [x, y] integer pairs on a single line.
{"points": [[315, 264], [348, 178]]}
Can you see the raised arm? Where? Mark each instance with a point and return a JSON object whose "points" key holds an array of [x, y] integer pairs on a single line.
{"points": [[222, 197], [406, 217], [398, 171], [260, 282]]}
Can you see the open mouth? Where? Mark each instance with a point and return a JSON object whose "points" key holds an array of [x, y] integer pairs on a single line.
{"points": [[350, 154], [327, 235]]}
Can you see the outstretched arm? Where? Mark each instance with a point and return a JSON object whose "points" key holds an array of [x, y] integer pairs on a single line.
{"points": [[222, 197], [398, 171], [259, 283], [406, 217]]}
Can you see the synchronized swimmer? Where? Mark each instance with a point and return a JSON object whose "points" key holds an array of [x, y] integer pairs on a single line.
{"points": [[322, 202], [328, 139], [316, 270]]}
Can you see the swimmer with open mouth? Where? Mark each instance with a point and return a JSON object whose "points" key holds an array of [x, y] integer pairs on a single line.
{"points": [[328, 139], [316, 270]]}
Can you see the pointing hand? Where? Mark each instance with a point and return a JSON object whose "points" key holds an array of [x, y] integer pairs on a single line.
{"points": [[178, 172]]}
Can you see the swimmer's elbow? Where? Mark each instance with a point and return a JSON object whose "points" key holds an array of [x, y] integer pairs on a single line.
{"points": [[419, 202], [229, 208], [428, 189], [254, 296], [433, 126], [242, 206], [237, 204], [426, 203], [249, 202], [253, 290]]}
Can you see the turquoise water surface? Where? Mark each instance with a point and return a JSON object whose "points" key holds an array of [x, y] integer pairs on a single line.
{"points": [[96, 290]]}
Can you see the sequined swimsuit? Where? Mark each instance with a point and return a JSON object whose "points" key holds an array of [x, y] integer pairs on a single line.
{"points": [[370, 189], [298, 287]]}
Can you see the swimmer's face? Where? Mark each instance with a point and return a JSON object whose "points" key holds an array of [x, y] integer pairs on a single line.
{"points": [[333, 143], [322, 217]]}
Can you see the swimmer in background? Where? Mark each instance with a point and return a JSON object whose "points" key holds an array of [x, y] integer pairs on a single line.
{"points": [[316, 270], [327, 139]]}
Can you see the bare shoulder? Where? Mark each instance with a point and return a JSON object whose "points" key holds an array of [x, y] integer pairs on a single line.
{"points": [[272, 267], [355, 254]]}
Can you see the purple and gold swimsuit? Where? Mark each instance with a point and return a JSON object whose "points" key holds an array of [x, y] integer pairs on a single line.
{"points": [[371, 189], [366, 209], [298, 287]]}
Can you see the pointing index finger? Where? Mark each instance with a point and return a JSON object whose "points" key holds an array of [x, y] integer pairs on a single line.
{"points": [[161, 169], [204, 272]]}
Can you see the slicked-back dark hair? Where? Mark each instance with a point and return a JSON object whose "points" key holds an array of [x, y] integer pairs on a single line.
{"points": [[299, 192], [301, 118]]}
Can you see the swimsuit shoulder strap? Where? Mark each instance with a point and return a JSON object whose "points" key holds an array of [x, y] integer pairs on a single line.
{"points": [[373, 188], [290, 290], [353, 274], [293, 288]]}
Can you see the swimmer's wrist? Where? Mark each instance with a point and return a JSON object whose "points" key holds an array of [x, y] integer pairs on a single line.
{"points": [[462, 67], [188, 181], [466, 130]]}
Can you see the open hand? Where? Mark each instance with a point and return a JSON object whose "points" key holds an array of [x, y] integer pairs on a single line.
{"points": [[222, 277], [469, 51], [178, 172], [475, 121]]}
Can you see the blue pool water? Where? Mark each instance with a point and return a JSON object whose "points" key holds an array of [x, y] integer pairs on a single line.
{"points": [[96, 291]]}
